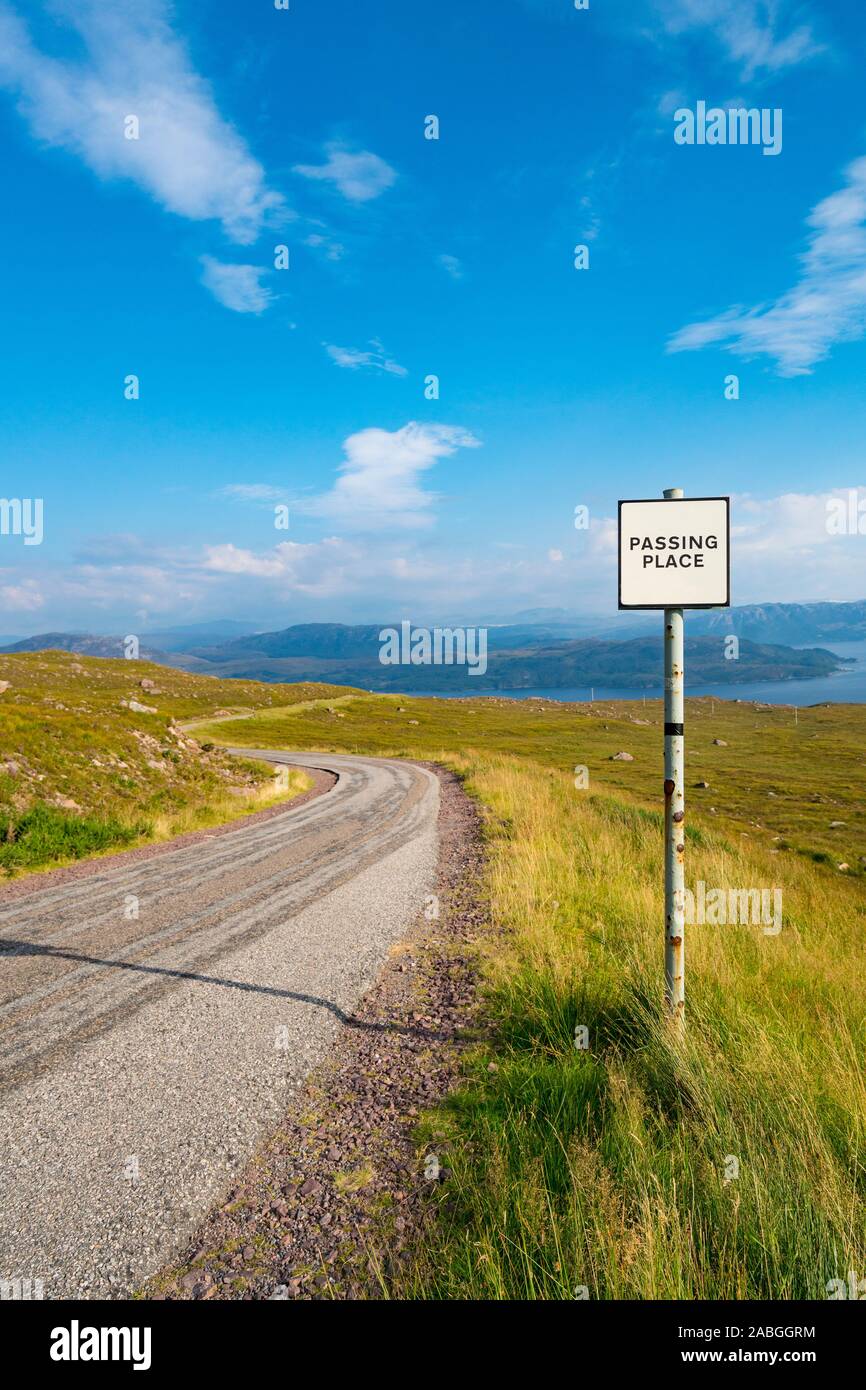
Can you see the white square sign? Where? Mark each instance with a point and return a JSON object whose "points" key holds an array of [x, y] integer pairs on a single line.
{"points": [[675, 553]]}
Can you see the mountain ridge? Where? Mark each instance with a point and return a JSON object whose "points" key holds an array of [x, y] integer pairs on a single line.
{"points": [[517, 658]]}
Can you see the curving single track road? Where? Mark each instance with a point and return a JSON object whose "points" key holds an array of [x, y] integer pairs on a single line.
{"points": [[157, 1014]]}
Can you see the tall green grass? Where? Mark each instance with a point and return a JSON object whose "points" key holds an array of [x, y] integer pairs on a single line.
{"points": [[728, 1165], [44, 835]]}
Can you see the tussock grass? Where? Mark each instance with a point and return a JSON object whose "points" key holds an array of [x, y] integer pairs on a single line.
{"points": [[227, 807], [45, 837], [45, 834], [605, 1168]]}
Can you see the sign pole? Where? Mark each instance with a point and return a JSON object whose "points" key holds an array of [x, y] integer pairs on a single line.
{"points": [[675, 554], [675, 830]]}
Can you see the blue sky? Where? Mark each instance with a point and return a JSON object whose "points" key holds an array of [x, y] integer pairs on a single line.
{"points": [[259, 387]]}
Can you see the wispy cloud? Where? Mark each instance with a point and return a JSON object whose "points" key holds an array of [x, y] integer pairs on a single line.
{"points": [[375, 357], [252, 492], [25, 597], [238, 287], [591, 223], [358, 175], [778, 540], [332, 250], [451, 265], [187, 156], [351, 572], [379, 483], [827, 305], [752, 33]]}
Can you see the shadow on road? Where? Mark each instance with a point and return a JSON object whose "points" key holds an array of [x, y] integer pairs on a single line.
{"points": [[29, 948]]}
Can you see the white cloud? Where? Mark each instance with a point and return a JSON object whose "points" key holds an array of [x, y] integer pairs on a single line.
{"points": [[749, 31], [382, 575], [230, 559], [332, 250], [160, 582], [555, 557], [253, 492], [669, 101], [22, 598], [354, 358], [238, 287], [359, 176], [331, 568], [789, 521], [379, 482], [827, 305], [782, 551], [451, 265], [187, 157]]}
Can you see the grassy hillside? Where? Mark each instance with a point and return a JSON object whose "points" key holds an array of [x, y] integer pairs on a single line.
{"points": [[775, 773], [619, 1162], [83, 771]]}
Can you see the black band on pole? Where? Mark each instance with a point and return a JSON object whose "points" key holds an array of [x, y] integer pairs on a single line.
{"points": [[674, 730]]}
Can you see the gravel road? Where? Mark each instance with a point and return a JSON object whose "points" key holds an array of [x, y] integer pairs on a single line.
{"points": [[157, 1015]]}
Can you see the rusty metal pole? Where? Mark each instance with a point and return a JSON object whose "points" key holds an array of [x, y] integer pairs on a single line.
{"points": [[675, 829]]}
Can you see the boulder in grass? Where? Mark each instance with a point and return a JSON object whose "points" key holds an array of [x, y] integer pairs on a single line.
{"points": [[621, 758]]}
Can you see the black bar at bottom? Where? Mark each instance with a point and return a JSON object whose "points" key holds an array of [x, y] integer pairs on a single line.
{"points": [[218, 1336]]}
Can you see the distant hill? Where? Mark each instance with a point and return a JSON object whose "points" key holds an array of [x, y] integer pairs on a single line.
{"points": [[184, 639], [634, 664], [517, 659], [521, 655], [91, 644], [342, 642], [328, 641], [85, 643], [792, 623]]}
